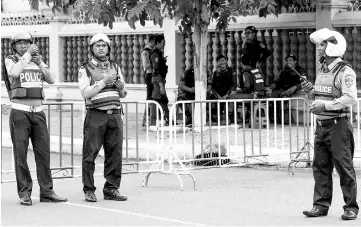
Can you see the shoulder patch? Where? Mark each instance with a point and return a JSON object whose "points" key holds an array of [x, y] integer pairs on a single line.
{"points": [[349, 81]]}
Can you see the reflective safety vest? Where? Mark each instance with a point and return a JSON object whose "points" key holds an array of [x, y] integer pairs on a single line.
{"points": [[109, 95], [325, 89], [29, 84], [258, 81]]}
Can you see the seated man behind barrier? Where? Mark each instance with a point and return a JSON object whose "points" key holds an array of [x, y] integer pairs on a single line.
{"points": [[223, 84], [286, 84]]}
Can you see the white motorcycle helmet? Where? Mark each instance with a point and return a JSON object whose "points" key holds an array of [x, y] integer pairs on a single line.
{"points": [[336, 43], [99, 37]]}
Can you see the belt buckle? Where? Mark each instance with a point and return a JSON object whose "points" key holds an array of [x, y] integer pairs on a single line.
{"points": [[109, 111]]}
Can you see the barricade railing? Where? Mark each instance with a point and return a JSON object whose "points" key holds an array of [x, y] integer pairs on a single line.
{"points": [[143, 147], [248, 136], [63, 168]]}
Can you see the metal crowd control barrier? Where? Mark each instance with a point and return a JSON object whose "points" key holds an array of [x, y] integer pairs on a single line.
{"points": [[143, 147], [248, 136], [62, 170]]}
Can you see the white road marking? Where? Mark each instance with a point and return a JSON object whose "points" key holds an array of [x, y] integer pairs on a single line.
{"points": [[132, 213]]}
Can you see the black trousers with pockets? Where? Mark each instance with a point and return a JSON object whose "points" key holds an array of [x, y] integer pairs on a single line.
{"points": [[24, 126], [334, 146], [102, 129]]}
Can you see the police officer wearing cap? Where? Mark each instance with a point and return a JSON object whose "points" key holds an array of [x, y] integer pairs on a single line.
{"points": [[333, 93], [287, 82], [24, 77], [102, 85]]}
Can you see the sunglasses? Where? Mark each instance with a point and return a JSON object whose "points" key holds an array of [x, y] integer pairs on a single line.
{"points": [[247, 33]]}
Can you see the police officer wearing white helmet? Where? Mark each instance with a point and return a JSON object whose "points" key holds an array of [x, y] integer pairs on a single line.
{"points": [[24, 77], [102, 85], [334, 92]]}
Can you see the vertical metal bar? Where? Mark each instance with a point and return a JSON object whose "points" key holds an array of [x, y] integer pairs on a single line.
{"points": [[201, 112], [289, 122], [136, 134], [126, 132], [275, 121], [61, 135], [227, 134], [210, 123], [72, 139], [193, 145], [244, 132], [252, 122], [283, 123], [260, 125], [268, 122], [358, 124], [49, 121], [297, 124]]}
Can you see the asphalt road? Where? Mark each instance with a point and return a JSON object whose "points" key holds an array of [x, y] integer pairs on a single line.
{"points": [[227, 196]]}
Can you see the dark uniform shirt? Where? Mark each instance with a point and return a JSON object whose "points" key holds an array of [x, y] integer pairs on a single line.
{"points": [[252, 52], [287, 78], [223, 82], [159, 65]]}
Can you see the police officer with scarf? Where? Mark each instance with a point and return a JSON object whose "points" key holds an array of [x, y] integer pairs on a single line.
{"points": [[24, 77], [102, 85], [333, 93]]}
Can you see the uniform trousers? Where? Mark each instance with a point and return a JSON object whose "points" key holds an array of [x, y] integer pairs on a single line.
{"points": [[102, 129], [24, 126], [334, 147]]}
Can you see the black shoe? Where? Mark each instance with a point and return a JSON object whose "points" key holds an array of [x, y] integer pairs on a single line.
{"points": [[349, 215], [113, 194], [90, 197], [53, 198], [26, 200], [315, 212]]}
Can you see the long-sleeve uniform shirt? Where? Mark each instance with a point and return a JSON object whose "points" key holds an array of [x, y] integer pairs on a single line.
{"points": [[15, 69], [88, 90], [346, 81]]}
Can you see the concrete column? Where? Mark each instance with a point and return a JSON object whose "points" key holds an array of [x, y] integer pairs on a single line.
{"points": [[56, 45]]}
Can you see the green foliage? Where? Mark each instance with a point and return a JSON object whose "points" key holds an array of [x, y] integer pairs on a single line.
{"points": [[190, 11]]}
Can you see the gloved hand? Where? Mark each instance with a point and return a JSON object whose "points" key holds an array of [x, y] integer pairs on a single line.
{"points": [[119, 84], [317, 107], [36, 58], [307, 86]]}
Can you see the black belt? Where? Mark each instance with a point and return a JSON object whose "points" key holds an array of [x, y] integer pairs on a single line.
{"points": [[331, 121], [111, 111]]}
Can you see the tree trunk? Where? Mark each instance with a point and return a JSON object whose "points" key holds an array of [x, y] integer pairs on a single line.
{"points": [[200, 67]]}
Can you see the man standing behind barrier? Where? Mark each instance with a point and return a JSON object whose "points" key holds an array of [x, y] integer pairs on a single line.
{"points": [[333, 93], [26, 73], [254, 52], [148, 70], [102, 85], [159, 64]]}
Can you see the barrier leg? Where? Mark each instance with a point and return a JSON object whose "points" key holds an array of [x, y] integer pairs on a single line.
{"points": [[295, 161]]}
